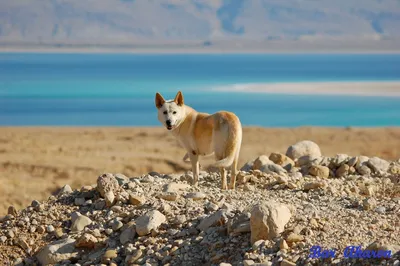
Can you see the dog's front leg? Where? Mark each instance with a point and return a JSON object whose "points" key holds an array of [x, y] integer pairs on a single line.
{"points": [[194, 159]]}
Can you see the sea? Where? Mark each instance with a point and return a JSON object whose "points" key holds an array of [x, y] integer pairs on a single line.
{"points": [[67, 89]]}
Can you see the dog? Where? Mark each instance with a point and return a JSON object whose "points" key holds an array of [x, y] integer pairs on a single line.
{"points": [[203, 134]]}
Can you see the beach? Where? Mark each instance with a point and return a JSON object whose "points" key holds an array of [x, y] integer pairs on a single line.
{"points": [[356, 88], [36, 161]]}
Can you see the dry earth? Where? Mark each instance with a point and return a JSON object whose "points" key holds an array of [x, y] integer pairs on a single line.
{"points": [[36, 161]]}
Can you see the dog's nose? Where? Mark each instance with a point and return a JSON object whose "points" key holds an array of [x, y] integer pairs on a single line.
{"points": [[168, 122]]}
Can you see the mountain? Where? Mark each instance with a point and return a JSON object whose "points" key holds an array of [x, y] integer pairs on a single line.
{"points": [[190, 22]]}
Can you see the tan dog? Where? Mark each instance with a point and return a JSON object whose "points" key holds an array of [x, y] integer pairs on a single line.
{"points": [[203, 134]]}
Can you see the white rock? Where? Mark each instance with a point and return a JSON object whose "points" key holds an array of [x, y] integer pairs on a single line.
{"points": [[150, 221], [268, 220], [215, 219], [260, 161], [302, 148], [63, 249], [378, 165]]}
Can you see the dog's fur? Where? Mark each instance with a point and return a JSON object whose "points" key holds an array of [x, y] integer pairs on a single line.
{"points": [[203, 134]]}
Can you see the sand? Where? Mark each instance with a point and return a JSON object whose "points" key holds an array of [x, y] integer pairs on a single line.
{"points": [[37, 161], [367, 88]]}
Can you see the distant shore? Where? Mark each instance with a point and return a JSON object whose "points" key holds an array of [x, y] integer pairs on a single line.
{"points": [[354, 88], [198, 50]]}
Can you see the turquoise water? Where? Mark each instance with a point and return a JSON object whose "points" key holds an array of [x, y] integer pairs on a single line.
{"points": [[118, 89]]}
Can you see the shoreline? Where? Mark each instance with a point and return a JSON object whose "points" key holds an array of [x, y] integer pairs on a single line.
{"points": [[171, 51], [336, 88]]}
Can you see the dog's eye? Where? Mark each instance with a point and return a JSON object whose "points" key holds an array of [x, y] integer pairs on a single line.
{"points": [[165, 112], [174, 112]]}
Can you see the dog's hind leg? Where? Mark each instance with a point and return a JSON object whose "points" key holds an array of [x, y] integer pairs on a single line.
{"points": [[224, 184], [194, 159], [233, 173]]}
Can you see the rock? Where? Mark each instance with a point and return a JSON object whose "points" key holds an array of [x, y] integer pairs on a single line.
{"points": [[248, 262], [268, 220], [287, 263], [196, 195], [216, 219], [136, 255], [394, 169], [128, 234], [57, 251], [175, 187], [239, 224], [378, 165], [109, 255], [283, 245], [247, 167], [302, 148], [272, 168], [340, 159], [369, 204], [293, 237], [260, 161], [281, 159], [79, 201], [281, 179], [107, 183], [363, 170], [121, 179], [343, 170], [50, 229], [313, 185], [380, 210], [12, 211], [352, 161], [150, 221], [79, 222], [86, 241], [66, 189], [224, 264], [110, 198], [169, 196], [136, 200], [305, 160], [319, 171], [378, 245]]}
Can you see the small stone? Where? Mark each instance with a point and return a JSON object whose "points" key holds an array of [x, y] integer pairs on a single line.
{"points": [[169, 196], [58, 232], [110, 198], [343, 170], [260, 161], [134, 257], [86, 241], [248, 262], [79, 201], [128, 234], [292, 237], [369, 204], [66, 189], [136, 200], [380, 210], [150, 221], [378, 165], [313, 185], [196, 195], [319, 170], [283, 245], [79, 222], [12, 211], [50, 229], [287, 263], [109, 255]]}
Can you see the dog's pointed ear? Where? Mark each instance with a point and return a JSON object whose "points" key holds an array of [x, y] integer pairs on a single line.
{"points": [[159, 100], [179, 98]]}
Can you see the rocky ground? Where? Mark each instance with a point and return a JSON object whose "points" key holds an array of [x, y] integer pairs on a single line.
{"points": [[283, 206]]}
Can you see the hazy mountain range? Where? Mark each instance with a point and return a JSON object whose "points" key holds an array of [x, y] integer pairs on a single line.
{"points": [[198, 22]]}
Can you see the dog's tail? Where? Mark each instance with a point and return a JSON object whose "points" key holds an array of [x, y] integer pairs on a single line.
{"points": [[228, 139]]}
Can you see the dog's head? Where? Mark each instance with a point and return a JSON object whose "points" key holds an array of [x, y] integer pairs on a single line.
{"points": [[172, 112]]}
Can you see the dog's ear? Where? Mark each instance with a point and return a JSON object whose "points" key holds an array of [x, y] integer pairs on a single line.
{"points": [[159, 100], [179, 98]]}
